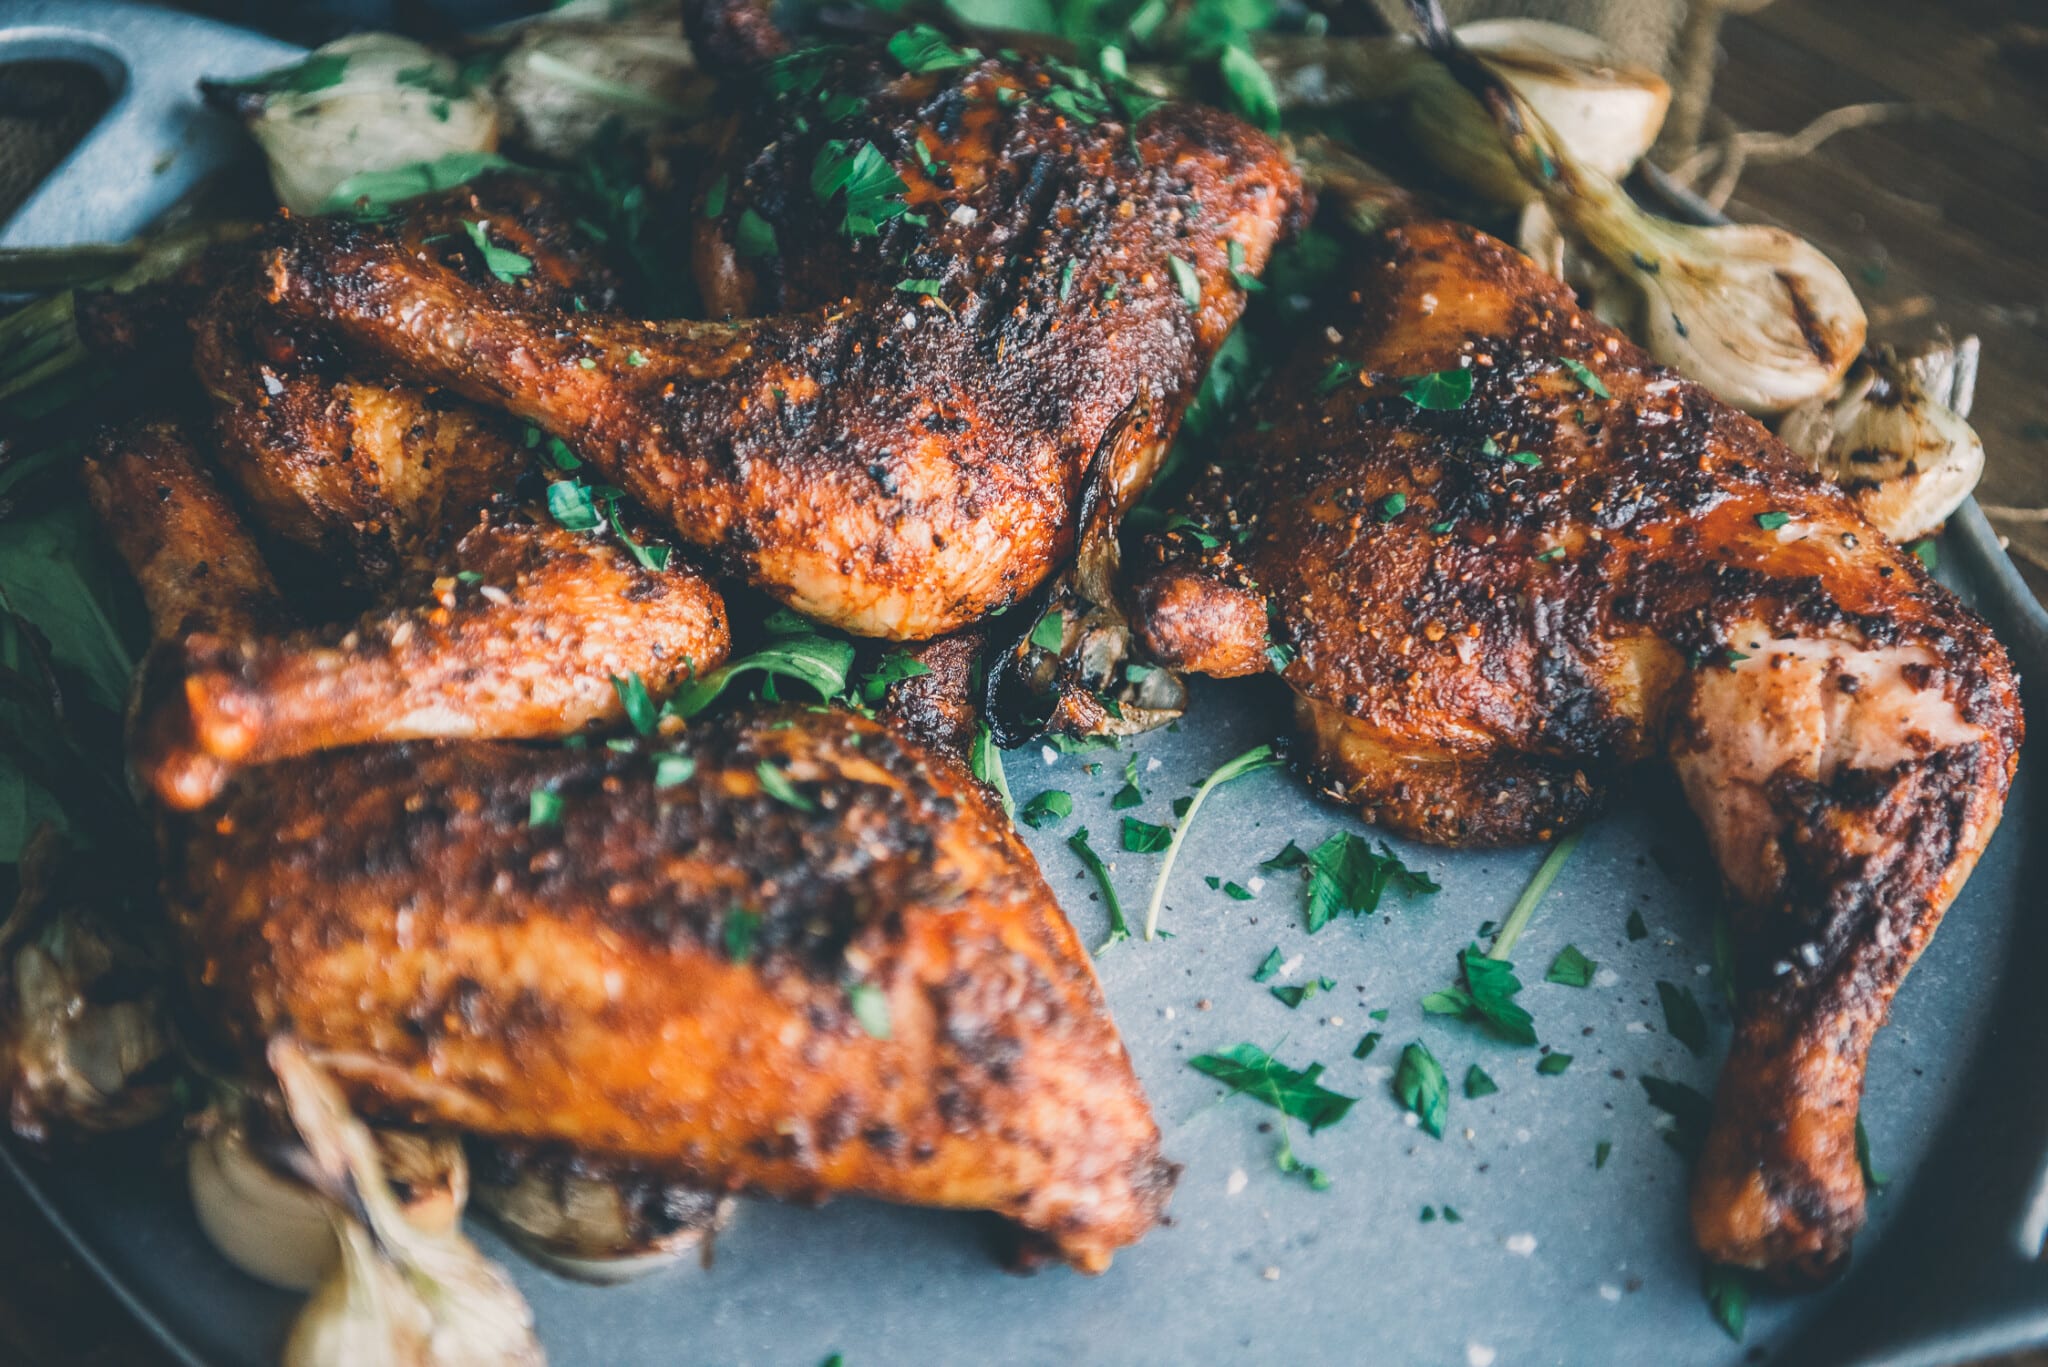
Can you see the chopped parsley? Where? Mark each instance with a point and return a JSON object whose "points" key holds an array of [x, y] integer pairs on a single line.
{"points": [[1250, 762], [1048, 807], [1142, 837], [779, 786], [1526, 458], [1585, 377], [1250, 87], [570, 504], [1682, 1016], [1249, 1070], [1872, 1178], [1050, 631], [1190, 284], [1393, 505], [1923, 551], [1246, 281], [1636, 929], [985, 759], [1336, 376], [1366, 1044], [872, 189], [1727, 1292], [640, 708], [740, 925], [1601, 1152], [1066, 278], [1293, 995], [1345, 875], [1770, 522], [673, 769], [929, 288], [755, 236], [544, 808], [1130, 795], [1485, 993], [1441, 391], [1420, 1086], [1268, 966], [1690, 1111], [1478, 1083], [502, 262], [921, 48], [870, 1007], [819, 662], [1119, 928], [320, 71], [1237, 892], [714, 197], [894, 667], [1551, 1064], [1571, 968]]}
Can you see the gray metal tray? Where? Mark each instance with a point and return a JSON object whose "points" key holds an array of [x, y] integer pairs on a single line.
{"points": [[1553, 1262]]}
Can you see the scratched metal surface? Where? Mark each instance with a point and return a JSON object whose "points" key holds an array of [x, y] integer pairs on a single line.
{"points": [[1553, 1262]]}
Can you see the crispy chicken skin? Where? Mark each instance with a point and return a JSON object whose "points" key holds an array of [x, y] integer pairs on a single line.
{"points": [[517, 633], [667, 976], [364, 470], [891, 462], [1479, 640]]}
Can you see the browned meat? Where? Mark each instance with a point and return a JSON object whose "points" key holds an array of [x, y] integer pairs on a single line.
{"points": [[896, 459], [822, 964], [519, 633], [1486, 608]]}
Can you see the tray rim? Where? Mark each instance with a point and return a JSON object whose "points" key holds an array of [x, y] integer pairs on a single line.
{"points": [[92, 31]]}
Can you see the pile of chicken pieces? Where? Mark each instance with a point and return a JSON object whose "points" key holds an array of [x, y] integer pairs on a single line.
{"points": [[801, 951]]}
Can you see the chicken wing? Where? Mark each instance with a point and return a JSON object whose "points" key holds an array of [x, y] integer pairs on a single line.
{"points": [[821, 963], [988, 269], [1498, 555]]}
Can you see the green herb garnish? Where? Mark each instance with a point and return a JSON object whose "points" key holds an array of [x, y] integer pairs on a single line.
{"points": [[1420, 1086], [1439, 392], [1048, 807], [1119, 929], [870, 1007], [1251, 761], [502, 262], [1585, 377], [1571, 968], [1478, 1083], [1682, 1016], [544, 808]]}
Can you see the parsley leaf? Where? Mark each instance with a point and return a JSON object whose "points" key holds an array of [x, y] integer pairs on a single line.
{"points": [[1142, 837], [1585, 377], [1571, 968], [754, 237], [818, 662], [640, 709], [1686, 1106], [1268, 966], [1551, 1064], [1246, 281], [1727, 1292], [873, 191], [1636, 929], [894, 668], [714, 197], [922, 48], [1250, 1070], [870, 1007], [1049, 806], [779, 786], [1441, 391], [1601, 1152], [1420, 1086], [673, 769], [1346, 875], [1189, 283], [1923, 551], [1336, 376], [1478, 1084], [986, 762], [1367, 1042], [1250, 88], [740, 925], [1770, 522], [1682, 1016], [570, 503], [502, 262], [1050, 631], [1486, 994], [1294, 995], [544, 808], [1872, 1178]]}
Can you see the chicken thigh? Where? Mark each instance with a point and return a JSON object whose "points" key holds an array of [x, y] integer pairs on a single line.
{"points": [[1498, 556], [800, 955]]}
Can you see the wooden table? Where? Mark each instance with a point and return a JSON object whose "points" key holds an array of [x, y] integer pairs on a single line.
{"points": [[1940, 221]]}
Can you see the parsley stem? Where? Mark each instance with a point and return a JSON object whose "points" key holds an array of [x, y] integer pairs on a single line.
{"points": [[1525, 905], [1119, 928], [1252, 760]]}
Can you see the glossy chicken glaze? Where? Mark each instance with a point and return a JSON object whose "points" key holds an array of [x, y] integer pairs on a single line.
{"points": [[894, 463], [1479, 643], [667, 976]]}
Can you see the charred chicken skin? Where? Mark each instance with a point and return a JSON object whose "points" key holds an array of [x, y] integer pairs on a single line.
{"points": [[518, 632], [822, 964], [1487, 605], [894, 459]]}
